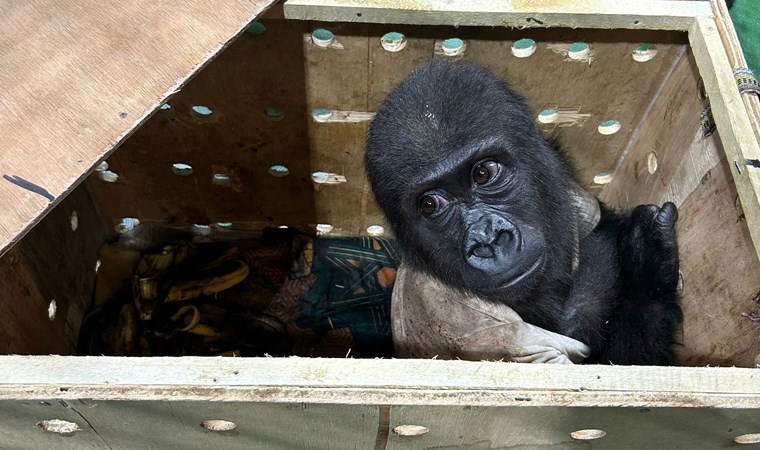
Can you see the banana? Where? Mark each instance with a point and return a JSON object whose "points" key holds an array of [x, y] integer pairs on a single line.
{"points": [[190, 289]]}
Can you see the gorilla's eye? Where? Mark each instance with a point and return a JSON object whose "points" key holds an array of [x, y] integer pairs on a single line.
{"points": [[485, 172], [431, 203]]}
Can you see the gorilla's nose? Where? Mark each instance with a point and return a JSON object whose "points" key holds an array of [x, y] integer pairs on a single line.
{"points": [[487, 235]]}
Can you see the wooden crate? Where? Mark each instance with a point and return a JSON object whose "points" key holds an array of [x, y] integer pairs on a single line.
{"points": [[83, 78]]}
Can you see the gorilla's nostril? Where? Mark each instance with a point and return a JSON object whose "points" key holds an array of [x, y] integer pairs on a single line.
{"points": [[483, 251], [503, 238]]}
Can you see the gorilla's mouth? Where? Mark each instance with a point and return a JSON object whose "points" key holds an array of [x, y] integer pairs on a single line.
{"points": [[518, 278]]}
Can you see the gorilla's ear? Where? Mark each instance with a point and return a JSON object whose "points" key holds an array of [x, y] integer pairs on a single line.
{"points": [[587, 213]]}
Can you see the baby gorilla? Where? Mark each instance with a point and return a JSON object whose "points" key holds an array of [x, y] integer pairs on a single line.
{"points": [[480, 200]]}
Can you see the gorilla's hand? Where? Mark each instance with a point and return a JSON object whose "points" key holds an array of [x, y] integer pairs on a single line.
{"points": [[648, 249]]}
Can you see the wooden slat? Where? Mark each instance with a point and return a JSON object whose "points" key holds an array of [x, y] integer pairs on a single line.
{"points": [[79, 76], [642, 14], [398, 382], [731, 118]]}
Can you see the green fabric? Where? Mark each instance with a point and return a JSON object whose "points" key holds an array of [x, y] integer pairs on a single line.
{"points": [[746, 17]]}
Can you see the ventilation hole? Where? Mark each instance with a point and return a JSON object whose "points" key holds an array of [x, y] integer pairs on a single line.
{"points": [[52, 310], [321, 114], [320, 177], [410, 430], [578, 50], [202, 111], [322, 38], [182, 169], [201, 226], [608, 127], [59, 426], [375, 230], [274, 113], [221, 179], [74, 221], [636, 22], [43, 403], [97, 266], [324, 228], [453, 46], [643, 52], [283, 227], [108, 176], [602, 178], [256, 29], [279, 171], [103, 166], [753, 438], [652, 163], [548, 116], [523, 48], [393, 41], [218, 425], [588, 435], [165, 107], [127, 223], [223, 225], [679, 286]]}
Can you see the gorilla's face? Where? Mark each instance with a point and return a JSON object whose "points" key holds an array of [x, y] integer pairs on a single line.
{"points": [[472, 191]]}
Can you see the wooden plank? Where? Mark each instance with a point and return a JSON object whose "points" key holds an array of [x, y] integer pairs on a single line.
{"points": [[168, 425], [642, 14], [520, 427], [398, 382], [733, 122], [79, 77]]}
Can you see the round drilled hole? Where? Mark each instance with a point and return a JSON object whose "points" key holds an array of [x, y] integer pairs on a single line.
{"points": [[588, 435], [101, 167], [279, 171], [127, 223], [322, 38], [578, 50], [320, 177], [221, 179], [548, 116], [52, 310], [218, 425], [410, 430], [602, 178], [608, 127], [324, 228], [202, 111], [59, 426], [753, 438], [223, 225], [644, 52], [393, 41], [453, 46], [652, 163], [108, 176], [182, 169], [274, 113], [375, 230], [165, 107], [321, 114], [523, 48], [256, 29], [74, 221]]}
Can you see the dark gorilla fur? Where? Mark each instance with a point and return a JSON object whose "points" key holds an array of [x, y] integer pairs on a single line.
{"points": [[508, 239]]}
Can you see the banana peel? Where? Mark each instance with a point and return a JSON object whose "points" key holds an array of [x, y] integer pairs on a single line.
{"points": [[219, 277]]}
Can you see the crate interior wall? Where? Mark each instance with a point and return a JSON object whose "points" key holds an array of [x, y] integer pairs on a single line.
{"points": [[659, 154]]}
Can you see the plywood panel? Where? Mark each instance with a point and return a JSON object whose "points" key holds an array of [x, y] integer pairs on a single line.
{"points": [[78, 77], [54, 262], [721, 275], [238, 140]]}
